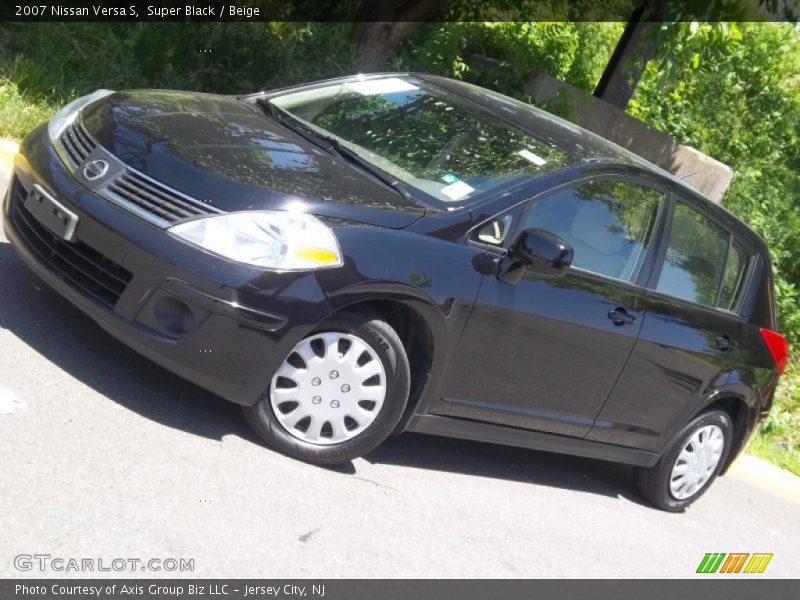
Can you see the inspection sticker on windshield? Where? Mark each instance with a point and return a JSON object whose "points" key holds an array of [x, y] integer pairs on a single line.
{"points": [[449, 177], [372, 87], [530, 156], [457, 190]]}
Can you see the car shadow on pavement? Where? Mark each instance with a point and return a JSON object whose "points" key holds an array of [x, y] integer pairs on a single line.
{"points": [[69, 339], [72, 341], [508, 463]]}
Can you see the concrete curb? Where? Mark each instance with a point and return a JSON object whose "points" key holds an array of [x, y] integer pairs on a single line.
{"points": [[8, 149], [759, 473]]}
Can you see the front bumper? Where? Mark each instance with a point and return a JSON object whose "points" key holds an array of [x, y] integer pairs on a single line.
{"points": [[224, 326]]}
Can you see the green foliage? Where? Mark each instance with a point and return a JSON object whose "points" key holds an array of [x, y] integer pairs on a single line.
{"points": [[733, 92], [241, 57], [535, 10], [49, 63], [574, 52], [18, 115]]}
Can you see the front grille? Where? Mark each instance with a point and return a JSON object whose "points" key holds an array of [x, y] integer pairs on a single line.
{"points": [[154, 198], [77, 142], [127, 187], [77, 263]]}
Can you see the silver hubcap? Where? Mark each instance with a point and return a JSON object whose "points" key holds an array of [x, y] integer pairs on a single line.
{"points": [[696, 462], [329, 389]]}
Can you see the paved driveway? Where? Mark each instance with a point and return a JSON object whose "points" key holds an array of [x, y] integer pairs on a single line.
{"points": [[105, 455]]}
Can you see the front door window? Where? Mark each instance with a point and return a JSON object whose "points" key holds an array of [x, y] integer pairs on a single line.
{"points": [[608, 223]]}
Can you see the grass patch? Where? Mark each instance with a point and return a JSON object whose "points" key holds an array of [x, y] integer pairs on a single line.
{"points": [[45, 65], [773, 449], [18, 114], [778, 439]]}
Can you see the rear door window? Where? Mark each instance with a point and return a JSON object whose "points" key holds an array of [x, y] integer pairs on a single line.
{"points": [[703, 264]]}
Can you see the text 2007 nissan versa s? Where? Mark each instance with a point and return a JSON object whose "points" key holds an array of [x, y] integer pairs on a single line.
{"points": [[385, 253]]}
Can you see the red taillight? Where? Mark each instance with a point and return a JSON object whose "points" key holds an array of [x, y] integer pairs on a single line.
{"points": [[778, 347]]}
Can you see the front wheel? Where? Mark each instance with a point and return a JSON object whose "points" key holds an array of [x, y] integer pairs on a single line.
{"points": [[691, 463], [338, 394]]}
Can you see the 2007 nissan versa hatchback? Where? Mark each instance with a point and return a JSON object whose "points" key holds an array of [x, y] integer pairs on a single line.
{"points": [[386, 253]]}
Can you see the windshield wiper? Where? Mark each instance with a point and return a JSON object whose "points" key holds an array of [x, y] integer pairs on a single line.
{"points": [[337, 147], [332, 145]]}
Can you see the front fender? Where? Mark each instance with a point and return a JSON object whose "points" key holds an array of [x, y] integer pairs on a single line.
{"points": [[437, 279]]}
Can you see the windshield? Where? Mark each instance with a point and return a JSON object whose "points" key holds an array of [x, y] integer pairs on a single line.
{"points": [[424, 136]]}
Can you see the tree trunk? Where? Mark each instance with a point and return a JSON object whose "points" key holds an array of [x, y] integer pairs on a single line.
{"points": [[383, 25], [627, 63]]}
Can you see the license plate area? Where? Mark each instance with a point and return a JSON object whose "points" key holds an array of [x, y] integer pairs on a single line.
{"points": [[51, 213]]}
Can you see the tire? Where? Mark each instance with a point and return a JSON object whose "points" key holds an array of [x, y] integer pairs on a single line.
{"points": [[656, 483], [329, 437]]}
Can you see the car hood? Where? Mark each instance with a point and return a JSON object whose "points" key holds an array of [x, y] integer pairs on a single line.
{"points": [[223, 152]]}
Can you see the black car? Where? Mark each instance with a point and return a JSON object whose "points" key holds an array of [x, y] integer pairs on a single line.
{"points": [[375, 254]]}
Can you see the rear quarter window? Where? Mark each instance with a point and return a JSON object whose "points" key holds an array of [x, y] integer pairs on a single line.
{"points": [[733, 278]]}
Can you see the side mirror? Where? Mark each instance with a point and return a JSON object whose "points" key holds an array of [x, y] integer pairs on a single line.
{"points": [[538, 250]]}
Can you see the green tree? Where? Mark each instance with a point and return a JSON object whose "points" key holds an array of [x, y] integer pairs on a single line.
{"points": [[733, 91]]}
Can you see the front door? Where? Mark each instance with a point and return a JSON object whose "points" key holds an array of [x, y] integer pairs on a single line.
{"points": [[544, 353]]}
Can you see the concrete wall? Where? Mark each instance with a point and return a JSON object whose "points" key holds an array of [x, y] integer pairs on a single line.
{"points": [[705, 174]]}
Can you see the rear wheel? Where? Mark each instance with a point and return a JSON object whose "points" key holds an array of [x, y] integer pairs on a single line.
{"points": [[338, 394], [691, 463]]}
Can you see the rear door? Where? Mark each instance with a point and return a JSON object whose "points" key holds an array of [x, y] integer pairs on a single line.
{"points": [[691, 337], [544, 353]]}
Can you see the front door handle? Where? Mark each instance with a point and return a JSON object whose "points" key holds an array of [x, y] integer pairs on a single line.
{"points": [[725, 343], [620, 316]]}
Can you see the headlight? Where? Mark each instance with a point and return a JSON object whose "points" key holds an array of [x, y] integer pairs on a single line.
{"points": [[283, 241], [67, 114]]}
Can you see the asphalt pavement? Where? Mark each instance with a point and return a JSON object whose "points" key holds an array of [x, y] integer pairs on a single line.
{"points": [[104, 455]]}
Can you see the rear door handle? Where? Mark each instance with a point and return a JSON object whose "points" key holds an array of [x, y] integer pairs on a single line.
{"points": [[725, 343], [620, 316]]}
